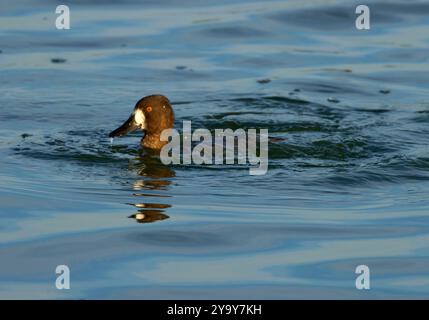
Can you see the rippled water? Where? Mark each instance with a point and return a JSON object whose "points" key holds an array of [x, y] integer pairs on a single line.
{"points": [[348, 178]]}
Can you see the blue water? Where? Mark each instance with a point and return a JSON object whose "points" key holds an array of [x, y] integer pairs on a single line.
{"points": [[348, 178]]}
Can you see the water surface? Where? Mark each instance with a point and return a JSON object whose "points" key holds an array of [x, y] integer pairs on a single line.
{"points": [[347, 183]]}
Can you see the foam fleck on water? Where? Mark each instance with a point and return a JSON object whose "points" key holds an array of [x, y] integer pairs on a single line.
{"points": [[111, 141]]}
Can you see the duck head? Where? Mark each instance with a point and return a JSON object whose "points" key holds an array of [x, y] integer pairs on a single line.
{"points": [[152, 114]]}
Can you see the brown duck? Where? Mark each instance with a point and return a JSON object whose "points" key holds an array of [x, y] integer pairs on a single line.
{"points": [[152, 114]]}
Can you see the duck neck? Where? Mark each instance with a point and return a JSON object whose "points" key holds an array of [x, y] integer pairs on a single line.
{"points": [[153, 141]]}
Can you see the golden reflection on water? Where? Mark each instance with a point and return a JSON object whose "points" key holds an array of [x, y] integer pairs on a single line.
{"points": [[155, 176]]}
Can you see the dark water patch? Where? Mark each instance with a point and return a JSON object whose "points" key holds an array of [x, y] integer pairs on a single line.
{"points": [[235, 32], [264, 81], [150, 195], [58, 60], [422, 116], [407, 164], [83, 42], [333, 100], [347, 70], [221, 116], [287, 100], [375, 111]]}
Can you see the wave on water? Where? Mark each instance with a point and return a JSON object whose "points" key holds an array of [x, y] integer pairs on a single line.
{"points": [[351, 143]]}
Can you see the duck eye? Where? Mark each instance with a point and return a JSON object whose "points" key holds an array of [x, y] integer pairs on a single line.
{"points": [[149, 109]]}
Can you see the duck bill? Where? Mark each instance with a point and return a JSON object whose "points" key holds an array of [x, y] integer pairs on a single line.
{"points": [[129, 126]]}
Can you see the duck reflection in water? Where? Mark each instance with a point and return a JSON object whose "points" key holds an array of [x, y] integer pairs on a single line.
{"points": [[155, 176]]}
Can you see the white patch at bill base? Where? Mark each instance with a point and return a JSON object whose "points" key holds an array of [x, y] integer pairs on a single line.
{"points": [[140, 118]]}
